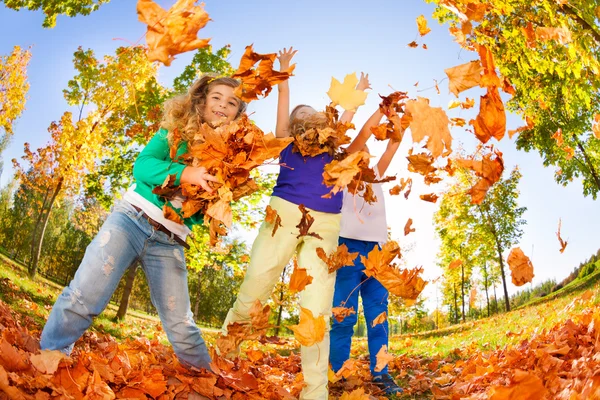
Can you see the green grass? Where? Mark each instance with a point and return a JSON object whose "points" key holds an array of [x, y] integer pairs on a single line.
{"points": [[499, 330]]}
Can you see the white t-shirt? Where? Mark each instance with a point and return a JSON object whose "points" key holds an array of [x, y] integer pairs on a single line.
{"points": [[155, 213], [364, 221]]}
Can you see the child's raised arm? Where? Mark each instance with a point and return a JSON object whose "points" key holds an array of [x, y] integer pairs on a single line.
{"points": [[363, 84], [365, 132], [386, 158], [283, 100]]}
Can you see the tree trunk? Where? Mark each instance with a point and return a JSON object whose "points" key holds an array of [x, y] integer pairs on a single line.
{"points": [[129, 280], [495, 300], [280, 311], [486, 286], [456, 319], [589, 164], [506, 300], [34, 265], [35, 230], [462, 290], [197, 303]]}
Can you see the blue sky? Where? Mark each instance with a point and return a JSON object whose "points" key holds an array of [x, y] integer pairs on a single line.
{"points": [[333, 38]]}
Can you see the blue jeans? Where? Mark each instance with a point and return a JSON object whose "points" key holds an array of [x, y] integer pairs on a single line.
{"points": [[348, 283], [127, 237]]}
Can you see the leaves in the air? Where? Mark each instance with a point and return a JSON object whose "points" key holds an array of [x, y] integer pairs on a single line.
{"points": [[429, 197], [383, 358], [345, 93], [521, 269], [380, 319], [408, 227], [272, 217], [491, 120], [489, 169], [563, 243], [430, 122], [310, 330], [320, 133], [338, 259], [340, 313], [174, 31], [258, 81], [464, 76], [422, 25], [305, 223], [299, 279]]}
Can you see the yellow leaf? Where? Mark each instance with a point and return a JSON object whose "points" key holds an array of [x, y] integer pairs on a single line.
{"points": [[345, 94], [422, 25], [310, 330]]}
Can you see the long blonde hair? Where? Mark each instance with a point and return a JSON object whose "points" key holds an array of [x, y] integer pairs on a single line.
{"points": [[184, 113], [298, 126]]}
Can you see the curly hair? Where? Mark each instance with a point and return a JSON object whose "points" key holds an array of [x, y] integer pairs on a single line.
{"points": [[184, 113], [299, 126]]}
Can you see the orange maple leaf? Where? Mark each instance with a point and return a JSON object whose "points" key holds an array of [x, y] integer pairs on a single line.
{"points": [[47, 361], [383, 358], [521, 268], [490, 77], [273, 218], [170, 214], [422, 25], [488, 169], [299, 279], [563, 243], [310, 330], [464, 76], [340, 313], [174, 31], [339, 173], [455, 264], [430, 197], [560, 35], [356, 394], [491, 120], [259, 81], [596, 126], [338, 259], [408, 227], [380, 319], [431, 122]]}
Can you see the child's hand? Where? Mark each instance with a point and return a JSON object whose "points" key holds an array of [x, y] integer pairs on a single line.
{"points": [[363, 83], [198, 176], [285, 56]]}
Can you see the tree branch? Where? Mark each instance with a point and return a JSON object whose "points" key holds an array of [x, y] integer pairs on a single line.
{"points": [[567, 9]]}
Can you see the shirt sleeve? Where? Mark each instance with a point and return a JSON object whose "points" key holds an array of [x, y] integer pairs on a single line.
{"points": [[154, 164]]}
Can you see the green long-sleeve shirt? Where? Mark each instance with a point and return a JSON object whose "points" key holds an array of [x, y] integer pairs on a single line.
{"points": [[152, 167]]}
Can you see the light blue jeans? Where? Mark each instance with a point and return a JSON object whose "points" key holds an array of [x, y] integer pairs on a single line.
{"points": [[124, 238]]}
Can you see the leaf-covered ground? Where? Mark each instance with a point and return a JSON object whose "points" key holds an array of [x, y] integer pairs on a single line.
{"points": [[547, 351]]}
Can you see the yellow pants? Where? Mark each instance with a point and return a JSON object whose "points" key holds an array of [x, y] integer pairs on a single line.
{"points": [[268, 258]]}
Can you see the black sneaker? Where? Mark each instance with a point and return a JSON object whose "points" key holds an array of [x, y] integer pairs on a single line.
{"points": [[386, 383]]}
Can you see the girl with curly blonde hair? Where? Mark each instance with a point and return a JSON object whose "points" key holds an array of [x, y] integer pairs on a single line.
{"points": [[137, 231]]}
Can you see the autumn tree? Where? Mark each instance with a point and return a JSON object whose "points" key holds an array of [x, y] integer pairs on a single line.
{"points": [[13, 92], [489, 228], [53, 8], [77, 141], [548, 52]]}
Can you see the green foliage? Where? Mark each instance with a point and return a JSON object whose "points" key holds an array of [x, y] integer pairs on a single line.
{"points": [[556, 83], [53, 8], [204, 61]]}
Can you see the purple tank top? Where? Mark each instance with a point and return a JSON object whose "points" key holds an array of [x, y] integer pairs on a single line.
{"points": [[300, 181]]}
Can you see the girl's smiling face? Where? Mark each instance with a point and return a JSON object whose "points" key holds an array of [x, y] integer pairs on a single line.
{"points": [[221, 105]]}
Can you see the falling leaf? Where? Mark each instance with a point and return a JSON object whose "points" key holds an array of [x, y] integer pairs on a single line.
{"points": [[563, 243], [383, 358], [596, 126], [408, 227], [431, 122], [380, 319], [259, 316], [529, 126], [422, 25], [520, 267], [340, 173], [338, 259], [413, 45], [431, 197], [455, 264], [273, 218], [174, 31], [340, 313], [310, 330], [421, 163], [299, 279], [488, 169], [464, 76], [258, 81], [560, 35], [491, 120], [490, 78], [345, 94], [305, 223]]}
